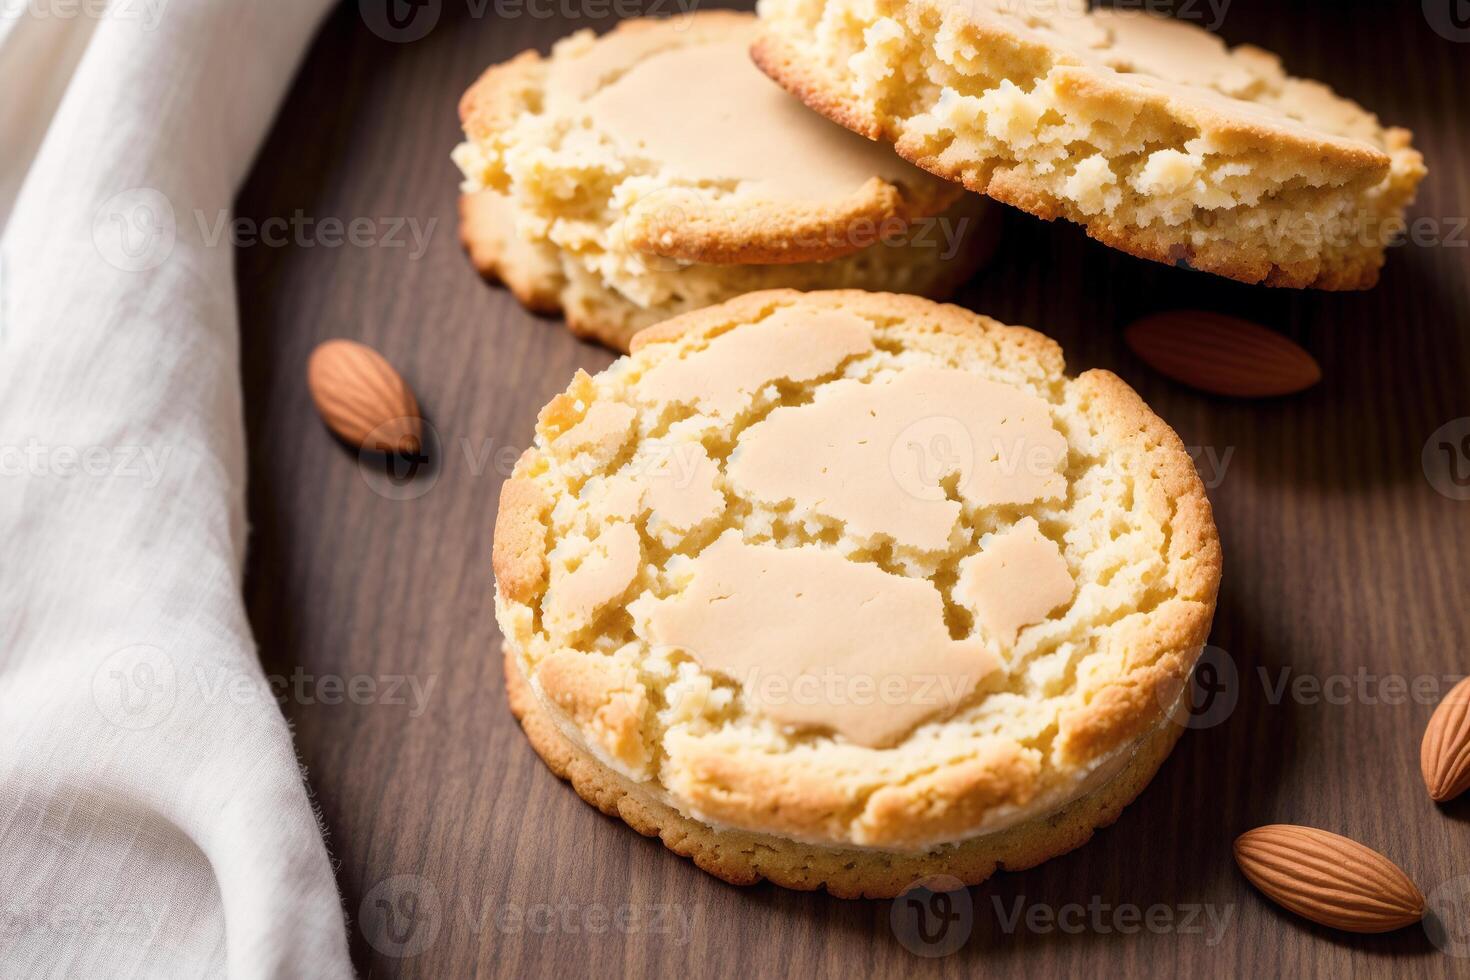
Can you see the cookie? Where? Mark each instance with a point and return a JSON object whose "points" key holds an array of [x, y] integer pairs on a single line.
{"points": [[932, 257], [1148, 132], [842, 588], [656, 170]]}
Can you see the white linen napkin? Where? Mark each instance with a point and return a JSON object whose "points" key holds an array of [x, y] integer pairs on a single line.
{"points": [[153, 819]]}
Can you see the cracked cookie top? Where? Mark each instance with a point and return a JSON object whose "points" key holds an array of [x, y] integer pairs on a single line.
{"points": [[662, 140], [854, 568], [1148, 131]]}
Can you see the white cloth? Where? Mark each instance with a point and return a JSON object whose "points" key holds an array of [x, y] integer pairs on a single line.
{"points": [[153, 818]]}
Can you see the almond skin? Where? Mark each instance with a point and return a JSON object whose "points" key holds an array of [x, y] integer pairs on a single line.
{"points": [[1222, 354], [362, 399], [1444, 755], [1328, 878]]}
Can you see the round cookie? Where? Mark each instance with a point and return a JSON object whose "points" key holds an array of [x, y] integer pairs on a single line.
{"points": [[1148, 131], [655, 170], [843, 588]]}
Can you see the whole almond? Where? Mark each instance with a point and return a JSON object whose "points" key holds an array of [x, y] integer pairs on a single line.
{"points": [[1328, 878], [1222, 354], [362, 399], [1444, 755]]}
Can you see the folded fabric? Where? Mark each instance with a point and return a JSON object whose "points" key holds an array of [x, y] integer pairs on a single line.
{"points": [[154, 821]]}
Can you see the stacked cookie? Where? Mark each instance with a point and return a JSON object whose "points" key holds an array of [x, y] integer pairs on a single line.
{"points": [[655, 170], [1148, 132]]}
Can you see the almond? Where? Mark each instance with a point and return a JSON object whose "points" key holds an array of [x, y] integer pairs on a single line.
{"points": [[1328, 878], [1222, 354], [1444, 755], [362, 399]]}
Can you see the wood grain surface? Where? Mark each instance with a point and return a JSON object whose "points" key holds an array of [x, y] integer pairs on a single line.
{"points": [[458, 854]]}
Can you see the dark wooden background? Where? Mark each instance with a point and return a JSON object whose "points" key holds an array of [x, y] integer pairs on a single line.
{"points": [[1340, 557]]}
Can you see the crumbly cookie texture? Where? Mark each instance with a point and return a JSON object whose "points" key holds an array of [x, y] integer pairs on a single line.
{"points": [[655, 170], [748, 572], [745, 858], [932, 257], [1149, 132]]}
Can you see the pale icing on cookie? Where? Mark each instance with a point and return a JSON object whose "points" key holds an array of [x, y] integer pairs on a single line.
{"points": [[817, 640], [1017, 579], [878, 456], [707, 93], [577, 595], [727, 373]]}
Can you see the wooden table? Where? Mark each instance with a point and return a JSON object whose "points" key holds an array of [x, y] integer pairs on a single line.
{"points": [[1342, 561]]}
